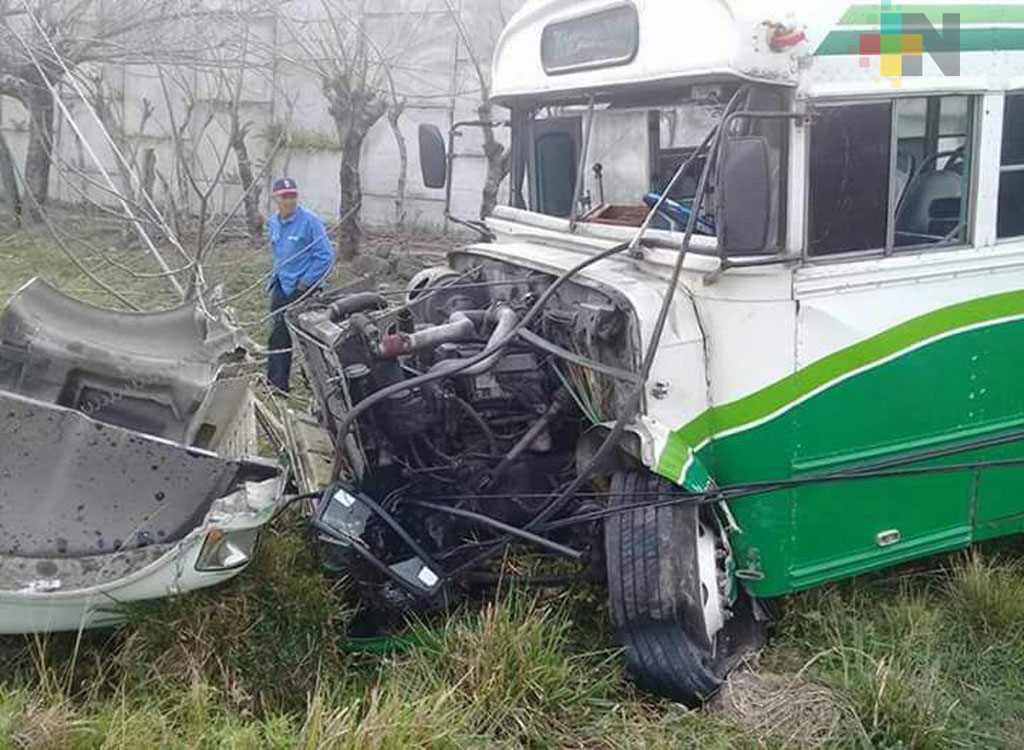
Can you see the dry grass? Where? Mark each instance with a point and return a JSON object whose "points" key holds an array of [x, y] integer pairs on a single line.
{"points": [[927, 656], [782, 708]]}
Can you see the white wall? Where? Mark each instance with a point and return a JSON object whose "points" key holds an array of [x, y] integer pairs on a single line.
{"points": [[432, 72]]}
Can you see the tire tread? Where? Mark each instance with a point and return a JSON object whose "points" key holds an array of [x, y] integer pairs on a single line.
{"points": [[660, 655]]}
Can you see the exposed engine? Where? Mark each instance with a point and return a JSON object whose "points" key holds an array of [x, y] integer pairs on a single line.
{"points": [[473, 423]]}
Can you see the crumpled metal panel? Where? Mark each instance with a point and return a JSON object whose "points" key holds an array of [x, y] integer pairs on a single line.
{"points": [[146, 371], [72, 485], [42, 575], [40, 595]]}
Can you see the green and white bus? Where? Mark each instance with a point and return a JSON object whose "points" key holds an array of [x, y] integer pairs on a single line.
{"points": [[837, 385]]}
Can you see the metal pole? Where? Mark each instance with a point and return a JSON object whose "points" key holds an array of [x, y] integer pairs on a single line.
{"points": [[581, 167]]}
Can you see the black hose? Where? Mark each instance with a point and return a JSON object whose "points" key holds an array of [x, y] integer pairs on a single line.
{"points": [[353, 303], [492, 441], [304, 496], [884, 469], [436, 451], [561, 401], [488, 579], [551, 546], [289, 502], [406, 537], [342, 540], [737, 492], [876, 470]]}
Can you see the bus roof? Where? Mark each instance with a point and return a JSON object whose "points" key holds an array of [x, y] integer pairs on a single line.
{"points": [[552, 50], [554, 47]]}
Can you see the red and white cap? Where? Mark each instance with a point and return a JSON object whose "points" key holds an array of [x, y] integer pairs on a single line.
{"points": [[285, 186]]}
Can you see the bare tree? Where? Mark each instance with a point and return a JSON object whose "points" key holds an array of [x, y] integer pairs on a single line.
{"points": [[395, 112], [355, 71], [497, 155], [113, 119], [207, 119], [199, 180], [230, 71], [250, 186], [41, 44], [202, 119], [8, 178], [356, 101]]}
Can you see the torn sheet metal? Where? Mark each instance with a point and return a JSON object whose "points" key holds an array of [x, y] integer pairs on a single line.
{"points": [[146, 371], [121, 456], [53, 594], [71, 485]]}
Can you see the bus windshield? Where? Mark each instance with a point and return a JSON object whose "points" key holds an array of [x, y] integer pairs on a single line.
{"points": [[623, 153]]}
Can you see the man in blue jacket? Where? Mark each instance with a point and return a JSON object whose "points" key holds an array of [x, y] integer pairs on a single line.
{"points": [[303, 256]]}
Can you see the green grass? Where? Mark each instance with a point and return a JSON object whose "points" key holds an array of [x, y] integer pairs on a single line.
{"points": [[924, 656]]}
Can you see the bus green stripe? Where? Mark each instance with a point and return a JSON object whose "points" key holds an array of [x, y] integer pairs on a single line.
{"points": [[870, 15], [782, 393], [971, 40]]}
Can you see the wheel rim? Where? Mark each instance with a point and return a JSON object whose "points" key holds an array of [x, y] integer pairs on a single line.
{"points": [[711, 582]]}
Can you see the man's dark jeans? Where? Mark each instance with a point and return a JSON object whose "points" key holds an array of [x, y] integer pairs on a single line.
{"points": [[279, 365]]}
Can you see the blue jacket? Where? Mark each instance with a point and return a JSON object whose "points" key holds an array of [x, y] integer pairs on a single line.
{"points": [[302, 251]]}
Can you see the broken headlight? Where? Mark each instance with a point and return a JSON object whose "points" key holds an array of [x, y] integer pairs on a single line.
{"points": [[225, 550]]}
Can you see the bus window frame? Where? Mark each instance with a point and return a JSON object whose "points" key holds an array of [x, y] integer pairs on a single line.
{"points": [[1003, 168], [975, 113]]}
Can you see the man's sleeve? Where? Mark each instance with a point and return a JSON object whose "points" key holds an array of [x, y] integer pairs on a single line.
{"points": [[322, 252]]}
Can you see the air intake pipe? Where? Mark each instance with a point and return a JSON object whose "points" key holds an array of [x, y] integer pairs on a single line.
{"points": [[460, 326], [505, 319]]}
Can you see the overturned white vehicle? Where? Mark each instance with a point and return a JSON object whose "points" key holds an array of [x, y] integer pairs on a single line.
{"points": [[125, 467]]}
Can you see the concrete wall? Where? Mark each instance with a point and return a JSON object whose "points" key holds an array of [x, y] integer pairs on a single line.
{"points": [[430, 68]]}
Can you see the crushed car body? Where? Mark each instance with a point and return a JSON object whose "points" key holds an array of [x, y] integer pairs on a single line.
{"points": [[125, 467]]}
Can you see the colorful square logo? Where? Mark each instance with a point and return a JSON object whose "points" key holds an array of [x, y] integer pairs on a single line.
{"points": [[899, 40]]}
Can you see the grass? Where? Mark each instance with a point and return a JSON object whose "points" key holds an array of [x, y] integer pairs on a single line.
{"points": [[924, 656]]}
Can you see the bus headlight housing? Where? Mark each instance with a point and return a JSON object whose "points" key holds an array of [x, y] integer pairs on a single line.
{"points": [[226, 550]]}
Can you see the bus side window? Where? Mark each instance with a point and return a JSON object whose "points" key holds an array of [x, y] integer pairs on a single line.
{"points": [[864, 197], [849, 178], [933, 139], [1010, 221]]}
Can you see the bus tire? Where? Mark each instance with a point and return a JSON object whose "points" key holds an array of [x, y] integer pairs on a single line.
{"points": [[657, 601]]}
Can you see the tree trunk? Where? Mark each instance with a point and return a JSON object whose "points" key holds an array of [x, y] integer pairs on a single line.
{"points": [[354, 113], [251, 193], [349, 231], [149, 172], [40, 141], [394, 115], [9, 180], [497, 170], [113, 126], [497, 160], [170, 205]]}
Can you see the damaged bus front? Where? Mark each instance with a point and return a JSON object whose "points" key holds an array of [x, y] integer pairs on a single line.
{"points": [[125, 469]]}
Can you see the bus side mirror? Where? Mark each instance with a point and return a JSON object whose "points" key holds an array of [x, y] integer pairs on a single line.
{"points": [[433, 156], [743, 196]]}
